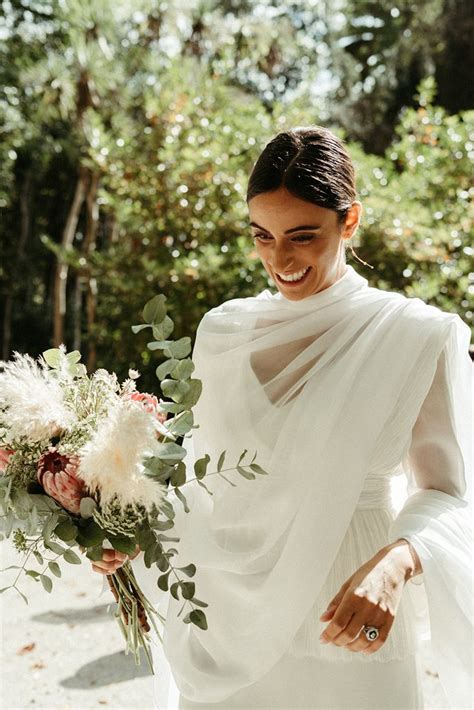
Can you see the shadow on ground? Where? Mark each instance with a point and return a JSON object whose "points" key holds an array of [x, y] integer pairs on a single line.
{"points": [[107, 670], [67, 616]]}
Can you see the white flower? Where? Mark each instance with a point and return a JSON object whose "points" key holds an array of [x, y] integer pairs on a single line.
{"points": [[111, 462], [32, 401]]}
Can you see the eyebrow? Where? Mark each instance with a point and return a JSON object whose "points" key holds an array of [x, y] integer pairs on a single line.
{"points": [[288, 231]]}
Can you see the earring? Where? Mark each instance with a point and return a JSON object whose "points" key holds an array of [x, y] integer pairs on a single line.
{"points": [[355, 255]]}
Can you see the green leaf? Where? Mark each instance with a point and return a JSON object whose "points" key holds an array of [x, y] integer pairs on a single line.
{"points": [[173, 407], [145, 536], [220, 463], [183, 369], [162, 562], [53, 357], [183, 500], [188, 589], [174, 590], [32, 573], [94, 553], [190, 570], [198, 618], [55, 568], [66, 530], [245, 474], [90, 534], [200, 483], [87, 507], [166, 367], [176, 389], [21, 595], [46, 582], [170, 452], [49, 526], [258, 469], [200, 466], [154, 310], [187, 618], [151, 554], [178, 477], [162, 330], [54, 547], [180, 348], [72, 558], [182, 423], [160, 345], [163, 581], [38, 556], [198, 602], [195, 389], [4, 589], [122, 543], [73, 357], [242, 455], [138, 328]]}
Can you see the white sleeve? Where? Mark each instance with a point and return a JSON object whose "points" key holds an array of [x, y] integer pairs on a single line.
{"points": [[437, 515]]}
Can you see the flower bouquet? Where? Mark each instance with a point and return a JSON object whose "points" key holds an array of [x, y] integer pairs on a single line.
{"points": [[87, 461]]}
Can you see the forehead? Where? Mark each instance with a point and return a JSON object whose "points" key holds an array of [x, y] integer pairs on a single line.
{"points": [[280, 209]]}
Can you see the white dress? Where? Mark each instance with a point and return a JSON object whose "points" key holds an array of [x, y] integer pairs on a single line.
{"points": [[311, 675]]}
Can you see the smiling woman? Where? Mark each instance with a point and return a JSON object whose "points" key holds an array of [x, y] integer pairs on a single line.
{"points": [[340, 387], [303, 209]]}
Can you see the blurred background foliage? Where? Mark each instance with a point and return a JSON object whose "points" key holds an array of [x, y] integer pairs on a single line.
{"points": [[129, 129]]}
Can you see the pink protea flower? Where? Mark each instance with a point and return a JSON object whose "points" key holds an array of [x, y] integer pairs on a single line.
{"points": [[57, 474], [5, 455], [150, 403]]}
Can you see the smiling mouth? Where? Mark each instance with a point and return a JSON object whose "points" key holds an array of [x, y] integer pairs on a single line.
{"points": [[293, 281]]}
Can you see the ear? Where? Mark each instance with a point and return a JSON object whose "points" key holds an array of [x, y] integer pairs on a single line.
{"points": [[352, 220]]}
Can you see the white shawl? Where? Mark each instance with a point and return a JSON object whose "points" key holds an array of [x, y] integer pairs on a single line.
{"points": [[315, 387]]}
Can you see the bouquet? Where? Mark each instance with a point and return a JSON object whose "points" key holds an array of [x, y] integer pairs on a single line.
{"points": [[86, 461]]}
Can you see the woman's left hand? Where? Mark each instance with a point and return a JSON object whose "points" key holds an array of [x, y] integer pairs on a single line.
{"points": [[369, 597]]}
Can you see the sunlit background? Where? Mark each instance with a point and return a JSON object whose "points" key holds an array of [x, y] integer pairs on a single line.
{"points": [[129, 129]]}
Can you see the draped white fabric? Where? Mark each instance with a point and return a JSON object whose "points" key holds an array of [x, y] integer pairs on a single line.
{"points": [[324, 389]]}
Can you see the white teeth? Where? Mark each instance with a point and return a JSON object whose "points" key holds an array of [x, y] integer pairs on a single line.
{"points": [[294, 277]]}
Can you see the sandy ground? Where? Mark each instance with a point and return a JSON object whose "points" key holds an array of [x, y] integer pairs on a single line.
{"points": [[65, 650]]}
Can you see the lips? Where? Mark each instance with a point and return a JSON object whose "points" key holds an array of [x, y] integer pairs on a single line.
{"points": [[293, 283]]}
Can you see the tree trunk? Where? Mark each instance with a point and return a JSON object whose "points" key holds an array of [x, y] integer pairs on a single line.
{"points": [[25, 222], [62, 268], [90, 242]]}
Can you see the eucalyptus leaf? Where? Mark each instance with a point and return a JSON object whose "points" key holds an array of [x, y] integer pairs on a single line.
{"points": [[178, 477], [245, 474], [87, 507], [71, 557], [49, 526], [162, 330], [32, 573], [73, 357], [183, 500], [54, 547], [55, 568], [46, 582], [53, 357], [180, 348], [176, 389], [188, 589], [174, 590], [200, 466], [38, 556], [258, 469], [170, 451], [154, 310], [160, 345], [138, 328], [166, 367], [189, 570], [198, 618], [181, 423], [194, 392], [220, 463], [183, 369], [122, 543], [66, 530], [163, 581], [198, 602]]}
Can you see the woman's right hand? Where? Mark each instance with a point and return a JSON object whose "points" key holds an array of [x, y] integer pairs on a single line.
{"points": [[111, 560]]}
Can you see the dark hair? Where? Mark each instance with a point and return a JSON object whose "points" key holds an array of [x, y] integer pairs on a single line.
{"points": [[310, 162]]}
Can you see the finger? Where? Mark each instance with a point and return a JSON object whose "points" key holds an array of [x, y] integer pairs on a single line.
{"points": [[352, 636], [340, 620], [96, 568], [107, 565]]}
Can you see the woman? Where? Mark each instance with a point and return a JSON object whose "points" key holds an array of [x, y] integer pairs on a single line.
{"points": [[340, 388]]}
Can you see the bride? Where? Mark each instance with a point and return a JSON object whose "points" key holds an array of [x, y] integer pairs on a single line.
{"points": [[319, 587]]}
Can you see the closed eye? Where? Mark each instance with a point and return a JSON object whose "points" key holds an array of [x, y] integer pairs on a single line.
{"points": [[300, 238]]}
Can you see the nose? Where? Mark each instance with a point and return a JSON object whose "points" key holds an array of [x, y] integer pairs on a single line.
{"points": [[280, 260]]}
